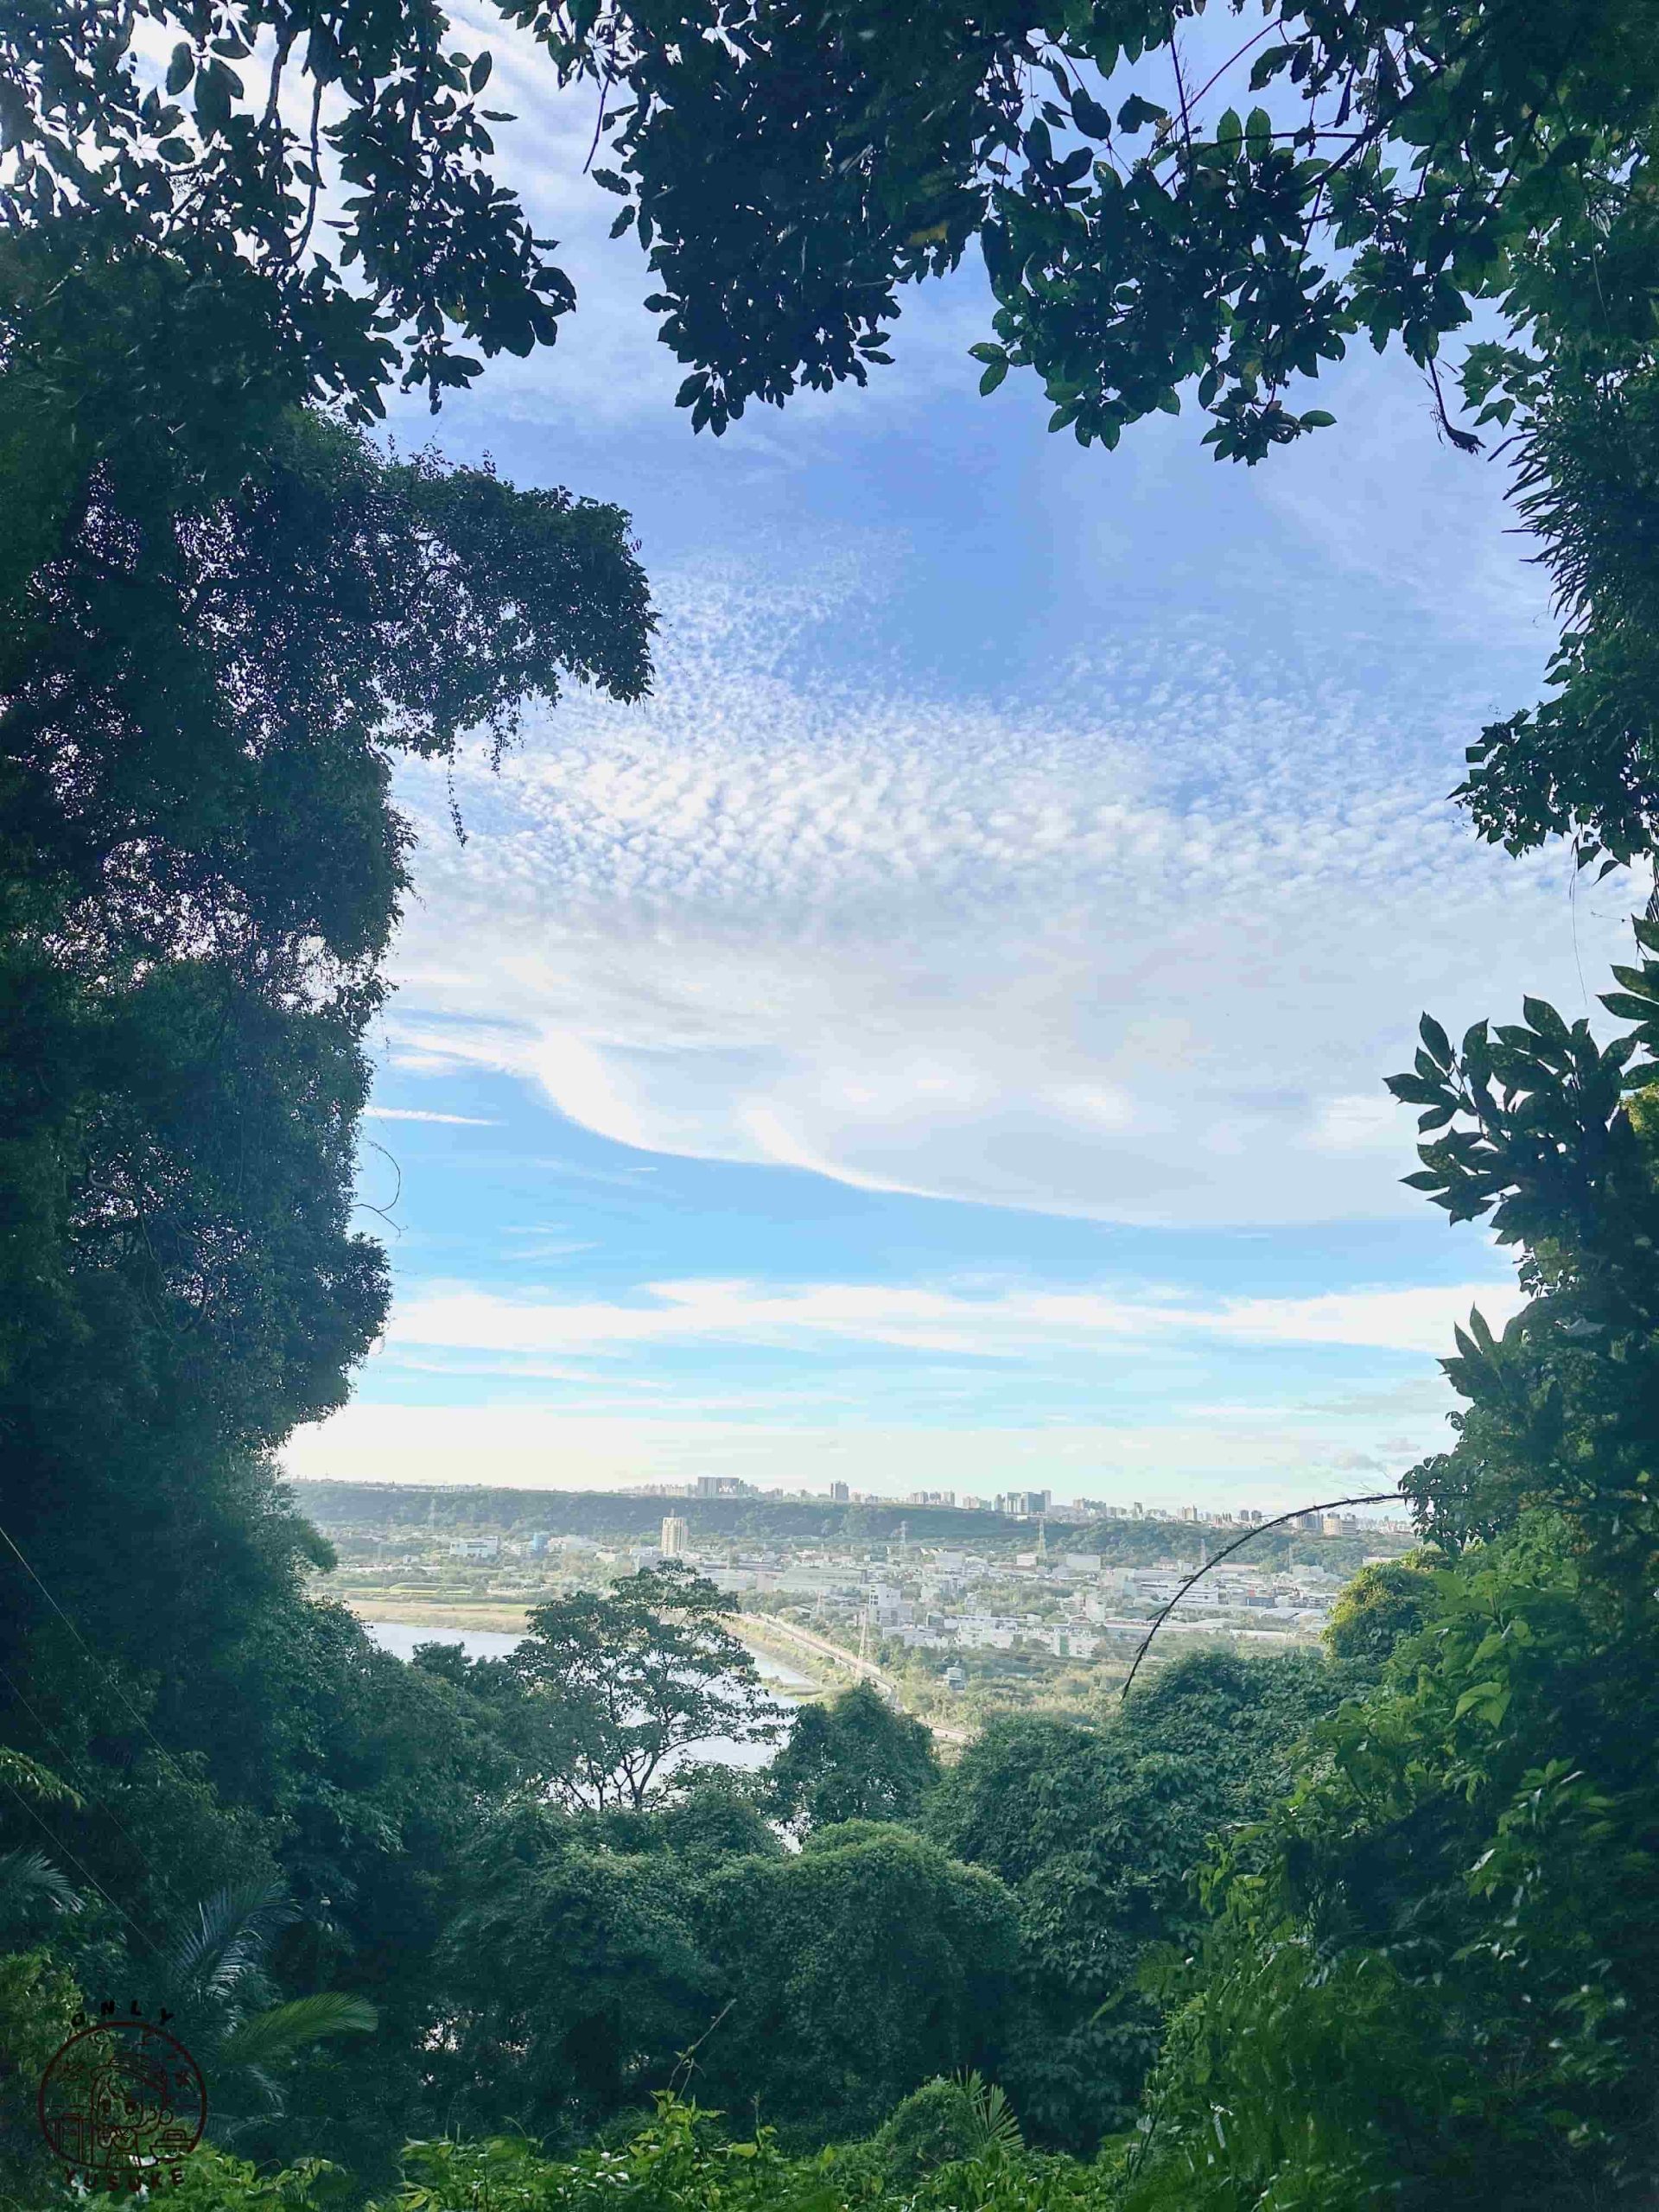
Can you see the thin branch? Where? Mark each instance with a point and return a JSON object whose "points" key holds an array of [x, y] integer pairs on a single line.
{"points": [[1180, 84], [1276, 23], [598, 120], [304, 238], [284, 47], [1464, 441], [683, 2067]]}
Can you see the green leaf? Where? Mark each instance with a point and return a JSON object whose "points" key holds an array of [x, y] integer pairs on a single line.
{"points": [[1135, 113], [1413, 1091], [216, 86], [482, 69], [994, 375], [294, 2027], [180, 69], [1492, 1698], [1090, 116], [22, 1773]]}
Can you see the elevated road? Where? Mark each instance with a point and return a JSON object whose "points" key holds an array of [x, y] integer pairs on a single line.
{"points": [[790, 1641]]}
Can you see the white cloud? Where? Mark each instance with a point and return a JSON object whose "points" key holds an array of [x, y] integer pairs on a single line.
{"points": [[420, 1114], [1141, 950], [1009, 1324]]}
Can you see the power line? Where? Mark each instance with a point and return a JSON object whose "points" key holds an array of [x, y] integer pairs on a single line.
{"points": [[102, 1664], [91, 1798], [84, 1873], [1375, 1497]]}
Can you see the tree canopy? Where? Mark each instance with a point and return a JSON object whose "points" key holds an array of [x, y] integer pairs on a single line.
{"points": [[333, 162], [201, 694], [1173, 204], [856, 1759], [790, 169]]}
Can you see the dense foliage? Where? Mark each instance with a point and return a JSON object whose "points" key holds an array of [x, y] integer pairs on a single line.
{"points": [[1099, 1833], [223, 617], [1402, 172], [1431, 1981]]}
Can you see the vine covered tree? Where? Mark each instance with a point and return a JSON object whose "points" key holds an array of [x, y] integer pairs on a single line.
{"points": [[857, 1759]]}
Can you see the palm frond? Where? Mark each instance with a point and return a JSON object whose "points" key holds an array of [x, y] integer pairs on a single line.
{"points": [[994, 2122], [230, 1934], [29, 1878], [302, 2021]]}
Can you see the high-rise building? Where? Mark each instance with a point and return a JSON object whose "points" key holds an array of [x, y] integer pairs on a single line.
{"points": [[674, 1533], [839, 1494], [1024, 1503]]}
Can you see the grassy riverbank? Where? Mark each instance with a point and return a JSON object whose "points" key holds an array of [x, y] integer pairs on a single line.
{"points": [[410, 1612]]}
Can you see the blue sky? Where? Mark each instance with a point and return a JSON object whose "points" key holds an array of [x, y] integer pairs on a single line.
{"points": [[938, 1040]]}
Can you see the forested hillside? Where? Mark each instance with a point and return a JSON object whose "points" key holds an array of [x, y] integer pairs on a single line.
{"points": [[1378, 1928], [390, 1509]]}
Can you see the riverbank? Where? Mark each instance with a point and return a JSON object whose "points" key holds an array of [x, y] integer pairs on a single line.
{"points": [[410, 1612]]}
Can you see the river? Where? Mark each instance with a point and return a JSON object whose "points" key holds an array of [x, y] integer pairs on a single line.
{"points": [[402, 1637]]}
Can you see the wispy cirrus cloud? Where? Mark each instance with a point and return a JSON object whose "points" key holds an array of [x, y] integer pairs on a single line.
{"points": [[422, 1113]]}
